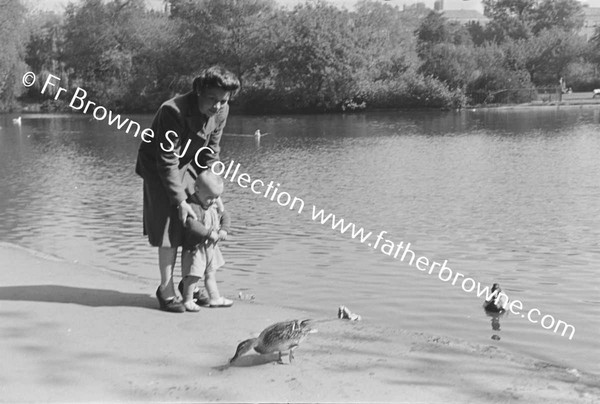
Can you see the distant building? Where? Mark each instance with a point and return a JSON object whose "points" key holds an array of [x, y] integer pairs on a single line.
{"points": [[465, 16], [591, 21], [419, 6], [460, 16]]}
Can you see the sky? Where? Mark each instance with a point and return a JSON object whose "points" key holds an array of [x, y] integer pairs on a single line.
{"points": [[59, 5]]}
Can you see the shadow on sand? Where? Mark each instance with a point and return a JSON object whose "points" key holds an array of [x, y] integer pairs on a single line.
{"points": [[252, 360], [76, 295]]}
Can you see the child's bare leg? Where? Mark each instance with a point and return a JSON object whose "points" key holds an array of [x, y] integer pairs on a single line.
{"points": [[216, 300], [189, 284], [210, 282]]}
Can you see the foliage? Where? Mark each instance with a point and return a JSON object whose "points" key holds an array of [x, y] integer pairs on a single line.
{"points": [[230, 32], [411, 90], [99, 46], [522, 19], [566, 15], [545, 56], [510, 19], [582, 76], [384, 39], [313, 57], [13, 32], [317, 61]]}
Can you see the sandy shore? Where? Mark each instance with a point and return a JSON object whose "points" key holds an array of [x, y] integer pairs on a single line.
{"points": [[78, 334]]}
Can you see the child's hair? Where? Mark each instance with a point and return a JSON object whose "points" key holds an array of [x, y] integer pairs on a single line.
{"points": [[207, 180], [216, 76]]}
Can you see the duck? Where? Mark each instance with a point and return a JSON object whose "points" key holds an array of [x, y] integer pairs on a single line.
{"points": [[497, 302], [278, 337], [17, 121]]}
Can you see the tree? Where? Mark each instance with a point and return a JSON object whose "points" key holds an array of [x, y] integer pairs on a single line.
{"points": [[521, 19], [317, 63], [545, 56], [594, 47], [492, 78], [100, 44], [479, 34], [435, 29], [13, 32], [509, 18], [445, 50], [157, 64], [450, 63], [44, 52], [563, 14], [384, 40], [228, 32]]}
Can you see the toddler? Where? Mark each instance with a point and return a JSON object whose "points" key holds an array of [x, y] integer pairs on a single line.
{"points": [[202, 255]]}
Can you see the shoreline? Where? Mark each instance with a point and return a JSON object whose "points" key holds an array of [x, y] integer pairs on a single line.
{"points": [[34, 109], [73, 333]]}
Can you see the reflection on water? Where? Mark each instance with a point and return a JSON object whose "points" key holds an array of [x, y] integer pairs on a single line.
{"points": [[508, 196], [495, 321]]}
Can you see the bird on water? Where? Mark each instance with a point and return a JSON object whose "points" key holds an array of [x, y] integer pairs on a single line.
{"points": [[258, 134], [278, 337], [497, 302]]}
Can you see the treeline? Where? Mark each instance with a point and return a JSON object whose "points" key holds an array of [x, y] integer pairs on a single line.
{"points": [[314, 57]]}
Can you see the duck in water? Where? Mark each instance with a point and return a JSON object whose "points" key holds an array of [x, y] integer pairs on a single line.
{"points": [[278, 337], [497, 302]]}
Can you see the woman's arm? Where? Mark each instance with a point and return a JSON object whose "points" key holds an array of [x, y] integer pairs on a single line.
{"points": [[195, 232], [168, 142], [168, 145]]}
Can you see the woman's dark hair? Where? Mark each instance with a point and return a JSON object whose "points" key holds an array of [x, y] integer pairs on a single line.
{"points": [[216, 76]]}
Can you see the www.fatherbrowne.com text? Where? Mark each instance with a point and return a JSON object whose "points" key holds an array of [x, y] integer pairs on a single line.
{"points": [[396, 250]]}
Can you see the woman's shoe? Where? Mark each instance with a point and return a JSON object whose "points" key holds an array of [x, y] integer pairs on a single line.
{"points": [[172, 305]]}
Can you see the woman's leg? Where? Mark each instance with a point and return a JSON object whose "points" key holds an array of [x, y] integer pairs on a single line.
{"points": [[167, 257]]}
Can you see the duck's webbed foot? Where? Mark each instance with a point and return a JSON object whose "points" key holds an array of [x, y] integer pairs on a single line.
{"points": [[291, 355], [280, 361]]}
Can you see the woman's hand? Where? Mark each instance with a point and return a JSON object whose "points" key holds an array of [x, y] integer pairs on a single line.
{"points": [[222, 235], [184, 210]]}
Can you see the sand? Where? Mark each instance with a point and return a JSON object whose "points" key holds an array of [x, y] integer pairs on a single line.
{"points": [[72, 333]]}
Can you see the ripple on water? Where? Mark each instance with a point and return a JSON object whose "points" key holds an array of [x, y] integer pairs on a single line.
{"points": [[506, 196]]}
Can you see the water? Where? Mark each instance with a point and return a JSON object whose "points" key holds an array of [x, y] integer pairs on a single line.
{"points": [[508, 196]]}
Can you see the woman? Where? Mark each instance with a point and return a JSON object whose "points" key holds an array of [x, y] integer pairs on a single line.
{"points": [[187, 131]]}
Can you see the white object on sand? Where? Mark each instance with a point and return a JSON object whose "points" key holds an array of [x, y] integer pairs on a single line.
{"points": [[345, 314]]}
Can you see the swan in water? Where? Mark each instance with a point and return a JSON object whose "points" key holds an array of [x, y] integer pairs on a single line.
{"points": [[17, 121], [258, 135]]}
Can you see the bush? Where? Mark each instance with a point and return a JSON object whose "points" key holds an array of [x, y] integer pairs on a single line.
{"points": [[410, 90], [582, 77]]}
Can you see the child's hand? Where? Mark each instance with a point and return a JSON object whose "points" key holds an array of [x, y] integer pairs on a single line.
{"points": [[213, 237], [222, 235]]}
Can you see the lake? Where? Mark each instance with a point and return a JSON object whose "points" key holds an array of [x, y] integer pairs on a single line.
{"points": [[504, 195]]}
